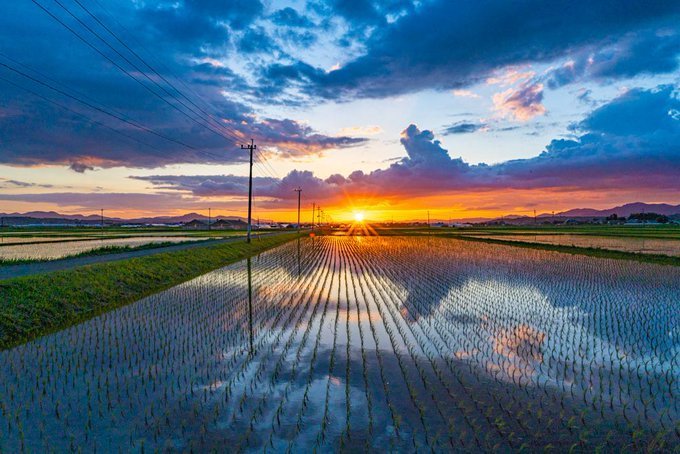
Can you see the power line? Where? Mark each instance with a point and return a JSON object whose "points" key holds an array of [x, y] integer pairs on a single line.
{"points": [[112, 33], [126, 72], [99, 109], [91, 120]]}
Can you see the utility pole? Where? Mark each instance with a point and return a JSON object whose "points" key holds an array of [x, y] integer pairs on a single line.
{"points": [[428, 219], [250, 147], [209, 217], [534, 217], [318, 210], [299, 191], [313, 212]]}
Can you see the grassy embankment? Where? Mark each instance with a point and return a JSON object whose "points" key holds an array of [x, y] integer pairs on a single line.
{"points": [[36, 305]]}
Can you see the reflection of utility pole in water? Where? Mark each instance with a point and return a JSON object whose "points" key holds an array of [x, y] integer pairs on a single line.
{"points": [[298, 256], [250, 306]]}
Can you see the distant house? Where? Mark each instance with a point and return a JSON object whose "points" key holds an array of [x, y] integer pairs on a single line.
{"points": [[229, 224], [195, 225]]}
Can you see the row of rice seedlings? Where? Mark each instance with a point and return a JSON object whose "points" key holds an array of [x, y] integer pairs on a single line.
{"points": [[396, 341], [369, 270], [276, 299], [240, 373], [495, 318], [337, 268], [432, 341], [306, 294], [90, 364], [484, 346], [348, 344], [323, 289], [364, 365], [325, 419]]}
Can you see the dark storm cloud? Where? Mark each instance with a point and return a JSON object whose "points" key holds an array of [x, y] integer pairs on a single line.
{"points": [[179, 39], [444, 44]]}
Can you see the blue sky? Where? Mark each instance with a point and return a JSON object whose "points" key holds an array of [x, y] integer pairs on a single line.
{"points": [[393, 107]]}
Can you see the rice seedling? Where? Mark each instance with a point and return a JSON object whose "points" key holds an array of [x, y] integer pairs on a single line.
{"points": [[341, 343]]}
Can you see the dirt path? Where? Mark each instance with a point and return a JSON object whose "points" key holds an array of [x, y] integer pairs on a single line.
{"points": [[8, 272]]}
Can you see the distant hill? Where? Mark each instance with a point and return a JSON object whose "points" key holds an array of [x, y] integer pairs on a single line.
{"points": [[623, 210], [54, 218]]}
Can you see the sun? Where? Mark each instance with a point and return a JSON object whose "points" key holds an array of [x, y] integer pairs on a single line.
{"points": [[359, 216]]}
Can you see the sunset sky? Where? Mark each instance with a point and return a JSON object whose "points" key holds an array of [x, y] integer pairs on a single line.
{"points": [[392, 108]]}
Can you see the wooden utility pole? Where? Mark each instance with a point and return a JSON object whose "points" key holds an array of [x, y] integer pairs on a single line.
{"points": [[313, 213], [299, 191], [209, 217], [250, 147]]}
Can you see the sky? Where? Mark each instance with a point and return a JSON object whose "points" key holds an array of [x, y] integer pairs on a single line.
{"points": [[391, 108]]}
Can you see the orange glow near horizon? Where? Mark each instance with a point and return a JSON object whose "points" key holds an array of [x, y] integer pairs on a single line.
{"points": [[349, 208]]}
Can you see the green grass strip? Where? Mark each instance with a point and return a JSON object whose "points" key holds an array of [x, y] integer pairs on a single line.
{"points": [[33, 306]]}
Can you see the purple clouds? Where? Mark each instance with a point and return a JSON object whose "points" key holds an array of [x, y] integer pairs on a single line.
{"points": [[606, 155], [67, 105]]}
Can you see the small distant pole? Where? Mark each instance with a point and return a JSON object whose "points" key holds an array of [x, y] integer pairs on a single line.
{"points": [[318, 211], [313, 212], [428, 219], [535, 222], [101, 221], [299, 191], [250, 147], [209, 217]]}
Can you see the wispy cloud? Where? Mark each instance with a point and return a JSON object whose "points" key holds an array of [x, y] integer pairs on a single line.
{"points": [[522, 104]]}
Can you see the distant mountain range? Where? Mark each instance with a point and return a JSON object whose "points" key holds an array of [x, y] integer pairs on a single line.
{"points": [[52, 217], [623, 210]]}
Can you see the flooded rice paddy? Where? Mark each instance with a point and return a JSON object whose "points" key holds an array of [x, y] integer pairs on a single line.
{"points": [[51, 250], [627, 244], [372, 343]]}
